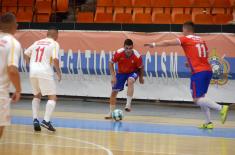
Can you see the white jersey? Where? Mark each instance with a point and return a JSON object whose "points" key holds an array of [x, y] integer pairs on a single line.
{"points": [[10, 50], [41, 54]]}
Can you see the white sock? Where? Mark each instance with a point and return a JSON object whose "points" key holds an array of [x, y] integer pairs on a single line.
{"points": [[128, 101], [35, 107], [207, 113], [49, 110], [203, 101]]}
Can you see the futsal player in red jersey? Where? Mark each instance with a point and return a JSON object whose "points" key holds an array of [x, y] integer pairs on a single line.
{"points": [[130, 68], [196, 52]]}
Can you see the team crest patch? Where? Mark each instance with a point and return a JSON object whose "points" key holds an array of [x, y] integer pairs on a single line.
{"points": [[220, 69]]}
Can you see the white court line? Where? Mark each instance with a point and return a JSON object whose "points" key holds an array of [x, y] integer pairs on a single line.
{"points": [[96, 145], [76, 140], [48, 145]]}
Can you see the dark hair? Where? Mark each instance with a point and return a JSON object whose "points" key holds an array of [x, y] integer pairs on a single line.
{"points": [[53, 28], [7, 18], [128, 42], [189, 25]]}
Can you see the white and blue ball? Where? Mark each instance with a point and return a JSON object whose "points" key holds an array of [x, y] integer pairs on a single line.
{"points": [[117, 115]]}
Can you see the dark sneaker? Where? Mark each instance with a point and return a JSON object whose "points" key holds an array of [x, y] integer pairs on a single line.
{"points": [[108, 116], [128, 108], [48, 126], [36, 125]]}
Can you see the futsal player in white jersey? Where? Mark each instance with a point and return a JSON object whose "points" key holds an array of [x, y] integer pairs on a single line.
{"points": [[10, 50], [42, 55]]}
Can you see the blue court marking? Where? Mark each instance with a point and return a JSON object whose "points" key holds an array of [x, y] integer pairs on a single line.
{"points": [[133, 127]]}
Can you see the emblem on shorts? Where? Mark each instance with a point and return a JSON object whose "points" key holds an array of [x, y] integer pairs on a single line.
{"points": [[220, 69]]}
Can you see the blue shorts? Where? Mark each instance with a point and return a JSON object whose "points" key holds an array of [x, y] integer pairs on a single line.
{"points": [[121, 80], [200, 83]]}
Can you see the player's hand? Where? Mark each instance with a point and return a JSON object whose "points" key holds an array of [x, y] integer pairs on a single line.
{"points": [[15, 97], [186, 64], [141, 80], [113, 80], [59, 77], [151, 45]]}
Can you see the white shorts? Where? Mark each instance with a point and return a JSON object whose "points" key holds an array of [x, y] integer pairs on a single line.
{"points": [[43, 86], [5, 118]]}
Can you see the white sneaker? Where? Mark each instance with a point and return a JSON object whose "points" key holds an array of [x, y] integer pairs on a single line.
{"points": [[128, 108], [109, 116]]}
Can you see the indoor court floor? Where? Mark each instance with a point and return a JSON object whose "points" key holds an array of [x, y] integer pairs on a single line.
{"points": [[160, 129]]}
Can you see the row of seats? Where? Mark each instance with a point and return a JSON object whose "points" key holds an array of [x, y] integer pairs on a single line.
{"points": [[160, 11], [33, 10], [166, 10], [165, 3], [146, 18]]}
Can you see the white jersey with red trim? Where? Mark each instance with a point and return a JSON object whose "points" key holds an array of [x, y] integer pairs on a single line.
{"points": [[41, 55], [10, 50]]}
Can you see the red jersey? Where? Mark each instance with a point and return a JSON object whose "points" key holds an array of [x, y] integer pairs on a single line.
{"points": [[127, 64], [196, 52]]}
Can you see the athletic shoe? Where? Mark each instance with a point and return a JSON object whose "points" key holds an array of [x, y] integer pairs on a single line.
{"points": [[48, 126], [207, 126], [36, 125]]}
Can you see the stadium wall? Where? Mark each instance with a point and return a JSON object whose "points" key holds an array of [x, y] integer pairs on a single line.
{"points": [[85, 56]]}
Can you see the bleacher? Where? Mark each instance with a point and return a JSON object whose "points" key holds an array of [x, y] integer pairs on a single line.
{"points": [[208, 12], [33, 10], [159, 12]]}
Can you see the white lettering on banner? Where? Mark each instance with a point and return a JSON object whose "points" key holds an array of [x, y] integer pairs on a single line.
{"points": [[155, 56], [69, 60], [79, 63], [147, 61], [173, 65], [22, 62], [163, 65], [62, 64], [110, 58], [102, 59], [87, 56], [95, 62]]}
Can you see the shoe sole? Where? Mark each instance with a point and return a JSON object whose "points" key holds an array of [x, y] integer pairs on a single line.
{"points": [[127, 110], [107, 117], [37, 129], [45, 126]]}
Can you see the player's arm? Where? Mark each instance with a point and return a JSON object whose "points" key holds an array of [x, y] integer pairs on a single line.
{"points": [[56, 62], [140, 70], [173, 42], [12, 70], [112, 72], [27, 59], [57, 68], [27, 54], [111, 67], [141, 74]]}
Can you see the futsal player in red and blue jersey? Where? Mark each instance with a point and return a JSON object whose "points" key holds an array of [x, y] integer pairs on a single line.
{"points": [[130, 68], [196, 52]]}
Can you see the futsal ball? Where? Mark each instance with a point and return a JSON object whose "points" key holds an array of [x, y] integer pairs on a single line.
{"points": [[117, 115]]}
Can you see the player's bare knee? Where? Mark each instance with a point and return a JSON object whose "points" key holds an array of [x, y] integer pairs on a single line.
{"points": [[130, 81], [52, 97], [114, 93], [38, 96], [195, 100]]}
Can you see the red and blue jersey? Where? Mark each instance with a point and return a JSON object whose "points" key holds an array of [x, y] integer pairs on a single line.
{"points": [[127, 64], [196, 52]]}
